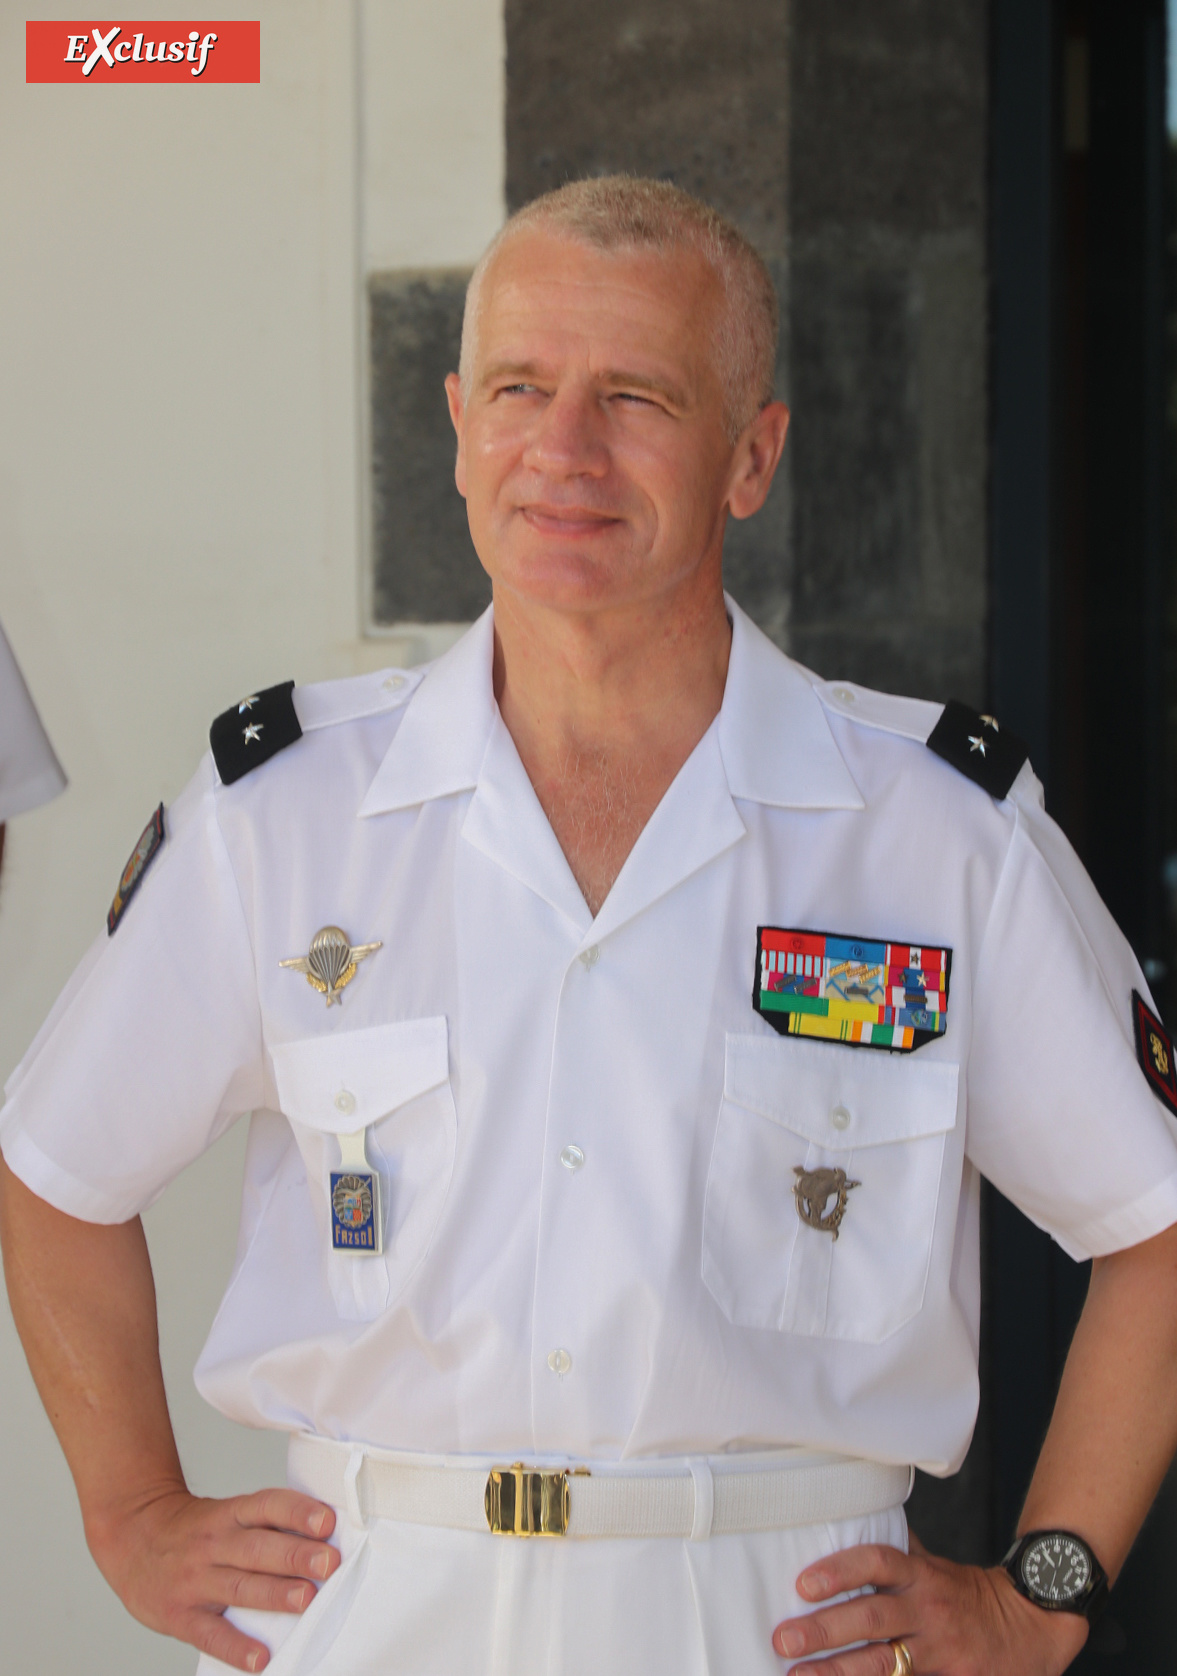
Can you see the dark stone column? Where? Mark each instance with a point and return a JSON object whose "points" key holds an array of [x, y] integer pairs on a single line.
{"points": [[849, 143], [887, 354], [696, 93], [424, 567]]}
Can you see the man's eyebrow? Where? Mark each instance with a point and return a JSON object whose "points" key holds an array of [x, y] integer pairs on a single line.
{"points": [[674, 393], [524, 371]]}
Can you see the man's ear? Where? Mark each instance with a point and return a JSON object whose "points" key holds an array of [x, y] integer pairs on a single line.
{"points": [[757, 456], [453, 395]]}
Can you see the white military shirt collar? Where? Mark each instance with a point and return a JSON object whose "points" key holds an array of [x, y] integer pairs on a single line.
{"points": [[770, 744]]}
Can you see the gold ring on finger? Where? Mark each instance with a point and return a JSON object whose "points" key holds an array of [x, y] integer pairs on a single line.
{"points": [[903, 1665]]}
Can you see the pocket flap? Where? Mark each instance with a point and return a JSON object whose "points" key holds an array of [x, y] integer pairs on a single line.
{"points": [[345, 1081], [841, 1098]]}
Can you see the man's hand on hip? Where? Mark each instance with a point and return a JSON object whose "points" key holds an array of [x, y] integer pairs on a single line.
{"points": [[1111, 1437], [83, 1299], [177, 1561], [955, 1620]]}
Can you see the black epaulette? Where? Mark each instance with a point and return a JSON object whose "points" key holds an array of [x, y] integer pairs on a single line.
{"points": [[978, 747], [250, 733]]}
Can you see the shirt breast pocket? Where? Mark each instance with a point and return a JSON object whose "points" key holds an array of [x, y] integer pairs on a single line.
{"points": [[796, 1106], [392, 1081]]}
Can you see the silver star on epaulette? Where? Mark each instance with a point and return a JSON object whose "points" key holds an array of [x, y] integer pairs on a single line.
{"points": [[976, 743], [246, 704], [331, 963], [991, 721], [253, 731]]}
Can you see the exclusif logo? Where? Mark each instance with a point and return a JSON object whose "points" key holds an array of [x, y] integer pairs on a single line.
{"points": [[165, 50]]}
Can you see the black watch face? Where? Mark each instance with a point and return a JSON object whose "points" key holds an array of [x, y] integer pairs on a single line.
{"points": [[1056, 1568]]}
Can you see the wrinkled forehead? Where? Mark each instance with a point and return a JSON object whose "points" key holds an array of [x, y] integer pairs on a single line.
{"points": [[550, 286]]}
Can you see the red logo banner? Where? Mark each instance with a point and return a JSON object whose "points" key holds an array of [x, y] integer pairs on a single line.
{"points": [[139, 52]]}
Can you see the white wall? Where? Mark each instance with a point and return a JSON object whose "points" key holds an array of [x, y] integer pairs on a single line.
{"points": [[181, 483], [439, 140]]}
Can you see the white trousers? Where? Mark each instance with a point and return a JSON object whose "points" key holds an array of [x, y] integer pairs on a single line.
{"points": [[413, 1600]]}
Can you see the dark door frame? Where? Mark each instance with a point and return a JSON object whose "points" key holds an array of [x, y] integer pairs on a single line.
{"points": [[1080, 576]]}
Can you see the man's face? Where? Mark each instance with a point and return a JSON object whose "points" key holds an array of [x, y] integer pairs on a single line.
{"points": [[591, 447]]}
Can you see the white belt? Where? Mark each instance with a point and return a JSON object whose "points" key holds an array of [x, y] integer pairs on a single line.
{"points": [[677, 1498]]}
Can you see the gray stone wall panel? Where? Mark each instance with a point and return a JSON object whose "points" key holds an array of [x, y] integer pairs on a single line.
{"points": [[855, 440], [694, 91], [951, 284], [889, 112], [424, 567], [887, 352]]}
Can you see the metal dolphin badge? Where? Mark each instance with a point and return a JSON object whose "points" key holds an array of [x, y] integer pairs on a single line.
{"points": [[331, 962], [813, 1191]]}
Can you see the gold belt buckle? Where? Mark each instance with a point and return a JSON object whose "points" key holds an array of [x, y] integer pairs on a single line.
{"points": [[520, 1501]]}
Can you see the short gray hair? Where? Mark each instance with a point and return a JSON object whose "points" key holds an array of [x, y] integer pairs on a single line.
{"points": [[627, 213]]}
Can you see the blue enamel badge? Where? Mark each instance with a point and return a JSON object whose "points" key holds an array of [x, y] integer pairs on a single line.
{"points": [[354, 1211]]}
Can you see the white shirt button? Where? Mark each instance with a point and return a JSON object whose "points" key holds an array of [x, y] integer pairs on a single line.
{"points": [[345, 1102], [840, 1118], [843, 695], [572, 1158], [394, 683], [589, 957], [559, 1361]]}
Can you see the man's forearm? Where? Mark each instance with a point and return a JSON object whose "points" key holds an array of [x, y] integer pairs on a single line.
{"points": [[83, 1300], [1114, 1428], [1112, 1435]]}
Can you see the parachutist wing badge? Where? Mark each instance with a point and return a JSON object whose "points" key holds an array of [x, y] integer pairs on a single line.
{"points": [[331, 963]]}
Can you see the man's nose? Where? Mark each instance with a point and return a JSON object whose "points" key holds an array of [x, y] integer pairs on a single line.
{"points": [[569, 437]]}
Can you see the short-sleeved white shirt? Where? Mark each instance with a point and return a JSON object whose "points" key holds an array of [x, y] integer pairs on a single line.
{"points": [[654, 1292]]}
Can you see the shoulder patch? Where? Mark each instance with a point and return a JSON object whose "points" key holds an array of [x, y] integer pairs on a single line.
{"points": [[978, 747], [1154, 1049], [250, 733], [145, 851]]}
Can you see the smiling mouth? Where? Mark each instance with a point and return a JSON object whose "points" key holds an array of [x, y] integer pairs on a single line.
{"points": [[567, 520]]}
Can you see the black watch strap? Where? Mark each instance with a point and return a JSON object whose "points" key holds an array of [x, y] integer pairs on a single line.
{"points": [[1088, 1603]]}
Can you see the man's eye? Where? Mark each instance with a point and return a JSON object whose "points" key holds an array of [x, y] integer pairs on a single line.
{"points": [[517, 390], [631, 398]]}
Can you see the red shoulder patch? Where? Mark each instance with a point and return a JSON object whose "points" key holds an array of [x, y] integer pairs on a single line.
{"points": [[1154, 1049], [142, 856]]}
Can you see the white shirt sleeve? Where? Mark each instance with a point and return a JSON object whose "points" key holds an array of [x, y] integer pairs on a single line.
{"points": [[1061, 1118], [30, 773], [155, 1045]]}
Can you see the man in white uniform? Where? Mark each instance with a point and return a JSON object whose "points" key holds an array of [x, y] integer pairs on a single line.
{"points": [[626, 1016]]}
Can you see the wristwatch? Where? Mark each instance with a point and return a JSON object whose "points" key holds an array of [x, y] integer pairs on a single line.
{"points": [[1057, 1571]]}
